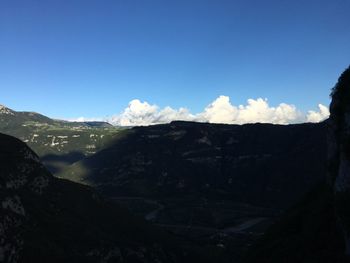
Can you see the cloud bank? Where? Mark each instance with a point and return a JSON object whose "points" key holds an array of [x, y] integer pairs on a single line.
{"points": [[221, 110]]}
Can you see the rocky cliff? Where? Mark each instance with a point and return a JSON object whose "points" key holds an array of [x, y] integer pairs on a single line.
{"points": [[339, 153]]}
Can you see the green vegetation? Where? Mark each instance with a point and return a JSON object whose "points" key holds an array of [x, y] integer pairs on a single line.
{"points": [[58, 143]]}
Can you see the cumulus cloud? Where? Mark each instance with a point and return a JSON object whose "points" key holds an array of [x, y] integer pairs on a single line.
{"points": [[142, 113], [137, 113], [259, 111], [317, 116], [221, 110]]}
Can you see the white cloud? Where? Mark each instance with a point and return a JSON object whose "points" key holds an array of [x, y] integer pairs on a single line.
{"points": [[221, 110], [137, 113], [259, 111], [321, 115], [142, 113], [83, 119]]}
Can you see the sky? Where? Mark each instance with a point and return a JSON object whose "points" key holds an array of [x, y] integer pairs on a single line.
{"points": [[150, 61]]}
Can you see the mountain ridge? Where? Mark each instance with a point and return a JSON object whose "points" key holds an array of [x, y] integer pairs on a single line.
{"points": [[59, 143], [32, 116], [189, 146]]}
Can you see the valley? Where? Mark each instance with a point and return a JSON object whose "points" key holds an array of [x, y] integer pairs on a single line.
{"points": [[174, 131], [213, 186], [230, 226], [216, 185], [45, 219]]}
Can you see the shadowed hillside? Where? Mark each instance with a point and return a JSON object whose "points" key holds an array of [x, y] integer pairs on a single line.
{"points": [[264, 164], [45, 219], [317, 228], [218, 185]]}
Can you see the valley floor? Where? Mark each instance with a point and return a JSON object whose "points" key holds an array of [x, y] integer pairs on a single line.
{"points": [[230, 226]]}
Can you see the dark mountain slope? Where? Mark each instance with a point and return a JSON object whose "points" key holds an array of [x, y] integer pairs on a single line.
{"points": [[317, 230], [306, 233], [271, 165], [45, 219]]}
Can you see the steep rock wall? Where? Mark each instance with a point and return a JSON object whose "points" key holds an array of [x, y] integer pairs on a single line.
{"points": [[339, 153]]}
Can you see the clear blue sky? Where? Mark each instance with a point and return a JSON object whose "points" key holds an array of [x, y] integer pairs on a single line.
{"points": [[90, 58]]}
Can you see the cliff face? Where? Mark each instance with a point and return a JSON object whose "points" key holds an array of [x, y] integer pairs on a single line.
{"points": [[339, 153]]}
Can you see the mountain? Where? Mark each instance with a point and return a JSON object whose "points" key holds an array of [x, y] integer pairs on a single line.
{"points": [[58, 143], [264, 164], [11, 118], [206, 185], [317, 229], [215, 184], [45, 219], [339, 154]]}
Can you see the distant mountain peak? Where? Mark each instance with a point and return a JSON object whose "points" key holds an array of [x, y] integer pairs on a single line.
{"points": [[5, 110]]}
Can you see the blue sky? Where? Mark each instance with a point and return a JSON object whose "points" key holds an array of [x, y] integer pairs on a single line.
{"points": [[90, 58]]}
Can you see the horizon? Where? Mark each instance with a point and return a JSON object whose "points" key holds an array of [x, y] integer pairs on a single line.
{"points": [[141, 63], [257, 111]]}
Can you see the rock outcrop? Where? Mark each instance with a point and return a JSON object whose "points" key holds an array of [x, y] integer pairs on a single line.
{"points": [[339, 153], [21, 175]]}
